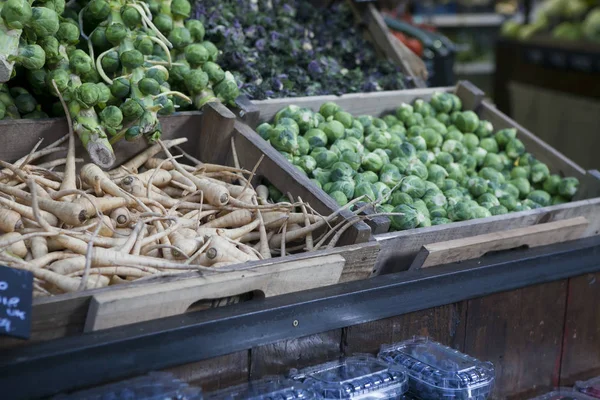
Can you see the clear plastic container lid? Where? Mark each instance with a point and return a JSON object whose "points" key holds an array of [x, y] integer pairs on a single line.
{"points": [[564, 394], [154, 386], [436, 371], [590, 387], [361, 377], [270, 388]]}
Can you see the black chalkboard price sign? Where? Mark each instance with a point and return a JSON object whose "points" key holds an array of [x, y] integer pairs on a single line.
{"points": [[16, 289]]}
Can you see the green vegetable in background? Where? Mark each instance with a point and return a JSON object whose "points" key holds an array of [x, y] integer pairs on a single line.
{"points": [[410, 218], [339, 197], [504, 136], [467, 122], [539, 172], [372, 162], [568, 187]]}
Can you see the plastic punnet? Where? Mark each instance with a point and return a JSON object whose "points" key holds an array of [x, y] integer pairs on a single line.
{"points": [[563, 394], [439, 372], [361, 377], [270, 388], [591, 387]]}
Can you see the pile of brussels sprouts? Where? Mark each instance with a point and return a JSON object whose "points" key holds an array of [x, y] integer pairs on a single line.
{"points": [[429, 161], [118, 64]]}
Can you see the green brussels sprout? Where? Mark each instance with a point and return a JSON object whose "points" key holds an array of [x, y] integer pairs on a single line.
{"points": [[510, 189], [264, 129], [456, 102], [304, 117], [68, 32], [408, 217], [144, 45], [97, 10], [515, 148], [504, 136], [489, 144], [391, 120], [467, 122], [488, 198], [344, 186], [316, 138], [531, 204], [480, 212], [274, 193], [432, 138], [30, 56], [508, 201], [376, 140], [435, 199], [303, 146], [44, 21], [60, 77], [399, 197], [317, 183], [87, 95], [420, 106], [398, 131], [196, 29], [196, 54], [493, 160], [442, 102], [440, 221], [418, 142], [37, 80], [163, 23], [433, 123], [521, 207], [391, 176], [213, 51], [131, 17], [444, 158], [414, 120], [339, 197], [284, 138], [484, 129], [447, 184], [443, 118], [423, 156], [181, 38], [372, 162], [455, 148], [196, 81], [322, 175], [454, 134], [329, 109], [469, 162], [98, 38], [149, 86], [470, 141], [523, 186], [341, 171], [133, 133], [540, 197], [568, 187], [526, 159], [413, 186], [420, 205], [131, 109], [455, 171], [115, 33], [159, 74], [227, 90], [491, 174], [404, 111], [16, 13], [80, 62], [367, 176], [181, 9], [417, 168], [453, 117], [559, 200], [120, 87], [25, 102], [477, 186], [333, 129], [344, 118], [365, 189], [539, 172], [479, 154], [352, 159], [551, 184], [454, 196], [379, 124], [131, 59], [520, 172], [401, 163], [414, 131], [110, 62], [353, 133], [307, 163], [111, 116], [437, 213]]}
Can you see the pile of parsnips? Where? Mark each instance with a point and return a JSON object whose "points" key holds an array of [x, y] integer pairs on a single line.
{"points": [[151, 216]]}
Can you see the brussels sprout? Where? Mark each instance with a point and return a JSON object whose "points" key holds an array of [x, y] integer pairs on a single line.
{"points": [[454, 134], [391, 176], [447, 184], [391, 120], [80, 62], [284, 138], [376, 140], [437, 213], [16, 13], [414, 131], [31, 56], [133, 133], [196, 54], [316, 138], [357, 146], [540, 197], [322, 175], [550, 184], [477, 186], [508, 201], [344, 118], [484, 129], [515, 148], [115, 33], [559, 200], [413, 186], [339, 197], [317, 183], [443, 159], [149, 86], [303, 146], [399, 197], [131, 109], [480, 212], [196, 29], [520, 172], [365, 189], [442, 102], [181, 9], [307, 163], [414, 120], [379, 124], [420, 106], [504, 136], [433, 123], [329, 109], [526, 159], [381, 190], [417, 168], [333, 129], [443, 118], [420, 205], [341, 171], [213, 51], [418, 142], [493, 160], [523, 186], [462, 211], [372, 162], [289, 123], [353, 133], [181, 38], [567, 187], [385, 158], [404, 111], [489, 145], [408, 217], [492, 175], [539, 172], [286, 112], [455, 148], [97, 9], [25, 103], [287, 156], [423, 156], [44, 21], [68, 33], [111, 116], [367, 176], [521, 207], [455, 171], [435, 199], [469, 162], [467, 122], [488, 198], [87, 95], [110, 62], [440, 221], [531, 204], [432, 138], [120, 87]]}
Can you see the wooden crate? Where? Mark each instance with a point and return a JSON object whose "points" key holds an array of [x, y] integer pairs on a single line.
{"points": [[398, 249], [209, 134]]}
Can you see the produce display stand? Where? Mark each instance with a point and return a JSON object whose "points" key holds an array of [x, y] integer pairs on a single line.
{"points": [[531, 313], [398, 249], [551, 86], [210, 134]]}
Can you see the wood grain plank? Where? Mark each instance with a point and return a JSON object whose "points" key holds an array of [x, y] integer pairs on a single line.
{"points": [[464, 249], [445, 324], [280, 357], [520, 332], [216, 128], [581, 344], [215, 373], [398, 249]]}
